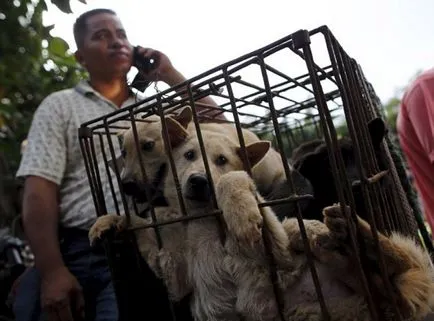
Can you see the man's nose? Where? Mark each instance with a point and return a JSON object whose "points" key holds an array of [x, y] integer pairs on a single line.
{"points": [[116, 43]]}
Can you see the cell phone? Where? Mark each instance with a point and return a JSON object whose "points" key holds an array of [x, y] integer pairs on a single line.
{"points": [[145, 65]]}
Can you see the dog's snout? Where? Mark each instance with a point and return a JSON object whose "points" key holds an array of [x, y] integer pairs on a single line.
{"points": [[198, 181], [198, 187]]}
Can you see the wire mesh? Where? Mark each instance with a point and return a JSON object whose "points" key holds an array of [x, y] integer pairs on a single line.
{"points": [[299, 88]]}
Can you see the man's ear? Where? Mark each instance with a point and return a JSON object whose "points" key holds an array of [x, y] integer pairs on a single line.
{"points": [[79, 57], [255, 152], [177, 132], [377, 130], [183, 116]]}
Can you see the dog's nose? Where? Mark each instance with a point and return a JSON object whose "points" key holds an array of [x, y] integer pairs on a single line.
{"points": [[198, 181], [198, 187]]}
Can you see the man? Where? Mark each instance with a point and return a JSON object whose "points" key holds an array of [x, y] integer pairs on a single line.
{"points": [[415, 126], [71, 279]]}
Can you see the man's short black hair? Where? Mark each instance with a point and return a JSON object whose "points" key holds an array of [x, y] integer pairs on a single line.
{"points": [[80, 25]]}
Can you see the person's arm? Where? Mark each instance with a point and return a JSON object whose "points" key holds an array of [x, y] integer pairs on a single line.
{"points": [[40, 221], [420, 109], [43, 165], [167, 73]]}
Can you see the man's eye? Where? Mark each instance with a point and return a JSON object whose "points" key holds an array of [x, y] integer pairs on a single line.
{"points": [[99, 36], [148, 146], [190, 155], [221, 160], [122, 35]]}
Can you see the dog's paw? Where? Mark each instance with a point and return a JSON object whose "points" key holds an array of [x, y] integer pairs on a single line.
{"points": [[246, 225], [236, 197], [105, 224], [336, 220], [314, 230]]}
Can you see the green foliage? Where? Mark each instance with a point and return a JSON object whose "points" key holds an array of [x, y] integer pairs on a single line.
{"points": [[64, 5], [391, 111], [33, 64]]}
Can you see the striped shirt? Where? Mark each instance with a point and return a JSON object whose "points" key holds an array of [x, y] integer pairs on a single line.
{"points": [[53, 151]]}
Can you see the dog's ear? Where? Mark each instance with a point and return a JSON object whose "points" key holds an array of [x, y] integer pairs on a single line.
{"points": [[177, 132], [311, 164], [255, 152], [119, 163], [377, 130], [121, 133], [183, 116]]}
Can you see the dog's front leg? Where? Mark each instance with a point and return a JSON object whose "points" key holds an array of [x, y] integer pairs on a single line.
{"points": [[146, 240], [167, 263], [246, 260]]}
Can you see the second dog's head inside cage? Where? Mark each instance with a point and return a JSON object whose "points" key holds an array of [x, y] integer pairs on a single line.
{"points": [[301, 139]]}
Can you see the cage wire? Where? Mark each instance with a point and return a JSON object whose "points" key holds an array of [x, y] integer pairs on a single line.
{"points": [[297, 89]]}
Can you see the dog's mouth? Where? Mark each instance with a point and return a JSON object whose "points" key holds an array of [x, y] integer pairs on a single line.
{"points": [[197, 188], [138, 190]]}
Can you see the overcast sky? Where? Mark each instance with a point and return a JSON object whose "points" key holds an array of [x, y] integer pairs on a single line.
{"points": [[391, 39]]}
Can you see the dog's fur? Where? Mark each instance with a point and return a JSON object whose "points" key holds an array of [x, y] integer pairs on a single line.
{"points": [[269, 174], [312, 160], [151, 154], [230, 280], [408, 264]]}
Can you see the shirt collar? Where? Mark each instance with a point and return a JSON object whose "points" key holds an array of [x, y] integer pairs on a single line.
{"points": [[84, 88]]}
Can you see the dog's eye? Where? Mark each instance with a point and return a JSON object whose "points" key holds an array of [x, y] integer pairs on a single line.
{"points": [[221, 160], [189, 155], [148, 146], [124, 153]]}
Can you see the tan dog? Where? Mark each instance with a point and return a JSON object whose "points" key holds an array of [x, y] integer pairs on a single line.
{"points": [[203, 234], [408, 265], [144, 161], [269, 174], [233, 280], [167, 263]]}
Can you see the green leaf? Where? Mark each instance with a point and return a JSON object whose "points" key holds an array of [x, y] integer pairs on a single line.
{"points": [[63, 5], [58, 47], [42, 5]]}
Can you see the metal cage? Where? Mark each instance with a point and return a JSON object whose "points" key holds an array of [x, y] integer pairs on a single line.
{"points": [[301, 87]]}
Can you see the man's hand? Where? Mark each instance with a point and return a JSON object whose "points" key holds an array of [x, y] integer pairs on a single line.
{"points": [[163, 69], [62, 296]]}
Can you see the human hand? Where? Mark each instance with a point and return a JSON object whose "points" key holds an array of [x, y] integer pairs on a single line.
{"points": [[62, 296], [162, 69]]}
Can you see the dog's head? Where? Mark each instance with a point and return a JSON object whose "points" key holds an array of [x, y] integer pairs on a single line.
{"points": [[145, 158], [223, 155], [313, 162]]}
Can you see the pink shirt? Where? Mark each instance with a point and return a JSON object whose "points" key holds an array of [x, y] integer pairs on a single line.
{"points": [[415, 126]]}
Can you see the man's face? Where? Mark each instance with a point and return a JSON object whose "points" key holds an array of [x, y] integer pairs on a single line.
{"points": [[105, 51]]}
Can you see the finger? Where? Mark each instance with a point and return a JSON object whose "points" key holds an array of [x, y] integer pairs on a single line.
{"points": [[78, 304], [51, 313], [146, 52], [150, 54]]}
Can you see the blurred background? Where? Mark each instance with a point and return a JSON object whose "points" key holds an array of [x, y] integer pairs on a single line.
{"points": [[391, 40]]}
